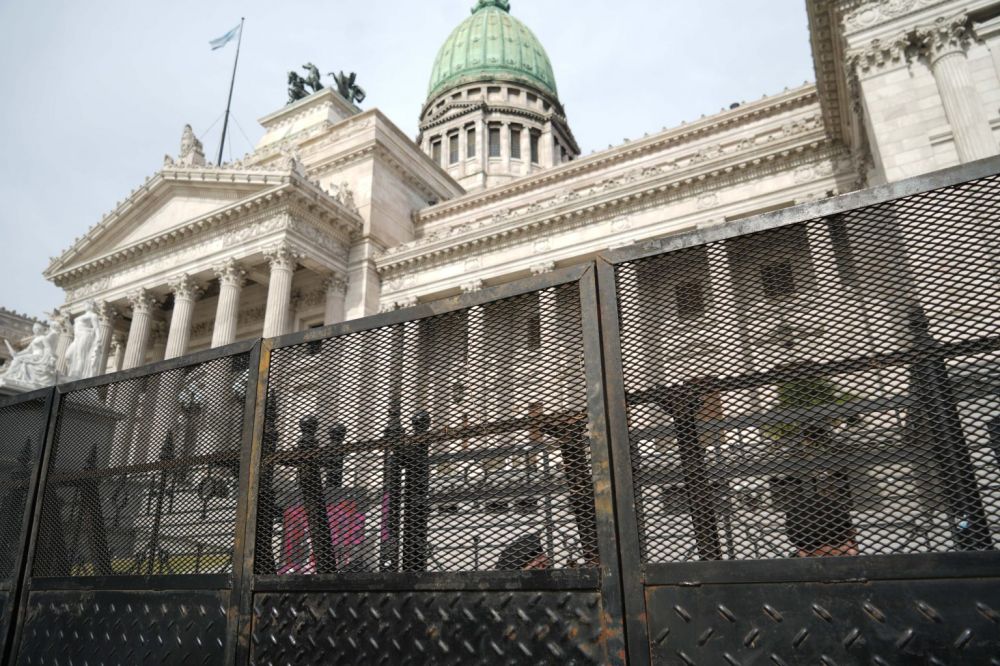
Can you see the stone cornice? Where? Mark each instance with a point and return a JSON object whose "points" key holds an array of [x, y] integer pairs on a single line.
{"points": [[296, 193], [699, 129], [209, 176], [642, 187], [168, 175]]}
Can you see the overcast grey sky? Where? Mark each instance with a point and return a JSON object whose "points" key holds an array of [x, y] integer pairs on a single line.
{"points": [[94, 93]]}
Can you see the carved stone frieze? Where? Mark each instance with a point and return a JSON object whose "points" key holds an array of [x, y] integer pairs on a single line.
{"points": [[880, 11], [88, 289], [243, 233], [546, 208], [542, 268]]}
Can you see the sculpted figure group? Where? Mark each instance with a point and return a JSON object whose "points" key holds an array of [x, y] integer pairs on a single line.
{"points": [[36, 365]]}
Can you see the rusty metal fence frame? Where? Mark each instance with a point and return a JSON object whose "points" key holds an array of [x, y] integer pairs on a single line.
{"points": [[619, 585], [139, 596], [458, 588], [11, 588], [794, 581]]}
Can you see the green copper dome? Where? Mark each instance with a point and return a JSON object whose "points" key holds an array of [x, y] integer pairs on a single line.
{"points": [[491, 45]]}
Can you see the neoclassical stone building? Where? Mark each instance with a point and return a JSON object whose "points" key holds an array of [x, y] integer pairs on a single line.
{"points": [[337, 214]]}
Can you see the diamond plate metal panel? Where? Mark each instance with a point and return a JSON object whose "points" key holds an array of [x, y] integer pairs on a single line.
{"points": [[124, 628], [427, 628], [878, 623], [4, 620]]}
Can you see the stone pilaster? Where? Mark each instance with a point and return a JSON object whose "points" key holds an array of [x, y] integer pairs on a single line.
{"points": [[283, 261], [335, 287], [139, 331], [186, 293], [944, 43], [232, 277]]}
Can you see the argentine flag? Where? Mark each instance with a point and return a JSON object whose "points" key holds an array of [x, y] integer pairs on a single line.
{"points": [[219, 42]]}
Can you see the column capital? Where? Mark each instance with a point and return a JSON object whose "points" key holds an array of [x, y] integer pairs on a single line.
{"points": [[117, 342], [142, 301], [185, 288], [881, 54], [230, 272], [282, 257], [335, 282], [945, 36], [105, 312]]}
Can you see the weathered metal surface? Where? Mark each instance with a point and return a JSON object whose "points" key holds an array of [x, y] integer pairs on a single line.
{"points": [[427, 628], [113, 628], [878, 623]]}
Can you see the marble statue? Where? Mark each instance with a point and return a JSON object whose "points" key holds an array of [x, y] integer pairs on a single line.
{"points": [[35, 365], [83, 353]]}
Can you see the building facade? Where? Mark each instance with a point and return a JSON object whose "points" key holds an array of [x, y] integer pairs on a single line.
{"points": [[337, 214]]}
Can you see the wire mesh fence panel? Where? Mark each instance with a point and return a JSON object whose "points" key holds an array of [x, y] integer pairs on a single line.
{"points": [[143, 475], [456, 442], [827, 388], [22, 428]]}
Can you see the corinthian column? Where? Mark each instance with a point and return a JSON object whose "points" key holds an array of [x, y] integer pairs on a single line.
{"points": [[186, 292], [279, 290], [61, 323], [944, 43], [105, 329], [336, 291], [231, 279], [138, 333]]}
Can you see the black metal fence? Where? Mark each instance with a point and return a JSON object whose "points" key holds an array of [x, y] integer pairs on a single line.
{"points": [[811, 408], [776, 440]]}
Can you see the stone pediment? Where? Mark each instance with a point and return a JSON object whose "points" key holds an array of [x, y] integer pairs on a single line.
{"points": [[166, 202]]}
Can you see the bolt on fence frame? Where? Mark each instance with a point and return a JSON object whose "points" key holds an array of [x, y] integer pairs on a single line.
{"points": [[981, 558]]}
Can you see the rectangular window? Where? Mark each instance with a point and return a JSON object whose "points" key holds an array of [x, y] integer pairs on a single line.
{"points": [[436, 151], [515, 143], [470, 142], [689, 299], [453, 149], [494, 142], [778, 279], [534, 147]]}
